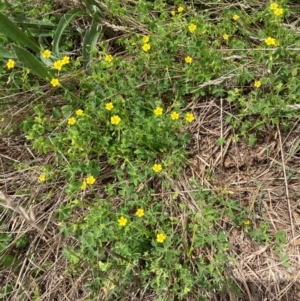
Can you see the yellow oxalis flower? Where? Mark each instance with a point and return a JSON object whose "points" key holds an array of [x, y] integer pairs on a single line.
{"points": [[158, 111], [57, 65], [246, 222], [65, 60], [146, 39], [188, 60], [146, 47], [109, 58], [235, 17], [192, 27], [46, 54], [140, 212], [122, 221], [278, 11], [157, 167], [257, 84], [270, 41], [71, 121], [189, 117], [174, 115], [79, 112], [173, 13], [115, 119], [109, 106], [42, 178], [160, 237], [54, 82], [273, 6], [225, 36], [180, 9], [10, 64], [90, 180]]}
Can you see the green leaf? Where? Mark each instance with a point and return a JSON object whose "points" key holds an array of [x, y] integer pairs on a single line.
{"points": [[251, 140], [56, 113], [62, 25], [89, 43], [31, 62], [67, 110], [11, 31], [221, 141], [7, 260]]}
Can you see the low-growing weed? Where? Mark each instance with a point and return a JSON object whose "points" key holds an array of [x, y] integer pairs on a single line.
{"points": [[118, 130]]}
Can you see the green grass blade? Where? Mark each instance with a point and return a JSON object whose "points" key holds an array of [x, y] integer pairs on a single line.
{"points": [[31, 62], [10, 30], [62, 25], [6, 54], [89, 43], [93, 8]]}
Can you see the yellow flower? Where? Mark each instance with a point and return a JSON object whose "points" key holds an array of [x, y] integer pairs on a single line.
{"points": [[158, 111], [115, 119], [54, 82], [174, 115], [160, 237], [225, 36], [71, 121], [157, 167], [180, 9], [173, 13], [235, 17], [65, 60], [188, 60], [146, 39], [109, 58], [46, 54], [278, 11], [122, 221], [10, 64], [246, 222], [109, 106], [79, 112], [189, 117], [257, 84], [273, 6], [140, 212], [192, 27], [83, 185], [42, 178], [57, 65], [146, 47], [270, 41], [90, 180]]}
